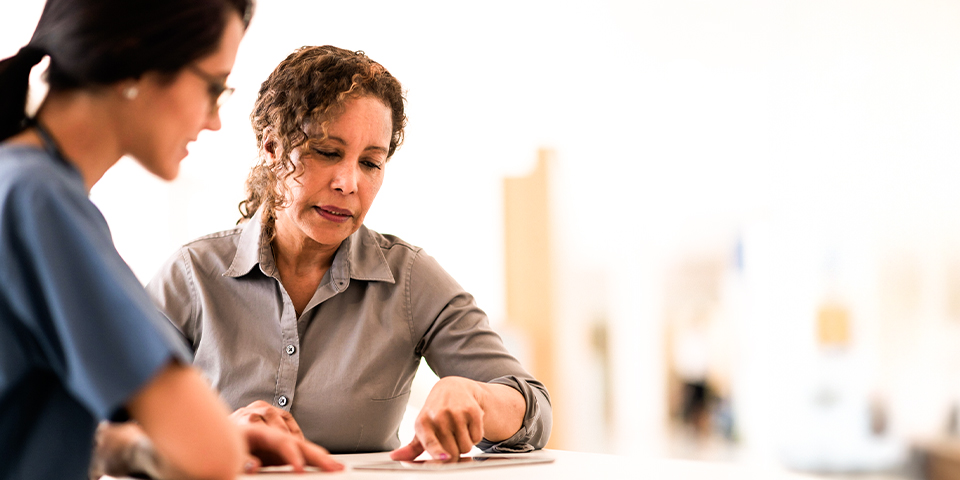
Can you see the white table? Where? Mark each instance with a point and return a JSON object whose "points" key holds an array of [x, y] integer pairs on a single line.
{"points": [[567, 465]]}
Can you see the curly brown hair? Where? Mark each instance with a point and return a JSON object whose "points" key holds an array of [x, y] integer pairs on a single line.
{"points": [[311, 85]]}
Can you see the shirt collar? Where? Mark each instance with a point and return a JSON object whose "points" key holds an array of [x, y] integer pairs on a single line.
{"points": [[248, 248], [362, 258], [359, 256]]}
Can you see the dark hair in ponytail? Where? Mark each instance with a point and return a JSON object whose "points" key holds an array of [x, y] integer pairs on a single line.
{"points": [[100, 42], [14, 80]]}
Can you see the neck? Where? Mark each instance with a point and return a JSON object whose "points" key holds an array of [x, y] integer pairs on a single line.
{"points": [[82, 126], [299, 255]]}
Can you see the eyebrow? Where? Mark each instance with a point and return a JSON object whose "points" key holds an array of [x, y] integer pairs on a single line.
{"points": [[217, 73], [372, 147]]}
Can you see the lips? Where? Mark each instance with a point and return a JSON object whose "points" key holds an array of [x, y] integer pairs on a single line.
{"points": [[334, 214], [186, 147]]}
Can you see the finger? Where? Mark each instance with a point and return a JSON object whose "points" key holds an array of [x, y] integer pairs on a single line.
{"points": [[448, 433], [476, 430], [251, 464], [274, 419], [256, 407], [245, 416], [436, 438], [462, 436], [291, 424], [319, 457], [409, 451], [448, 439], [279, 419], [428, 438], [434, 448], [274, 447], [238, 415]]}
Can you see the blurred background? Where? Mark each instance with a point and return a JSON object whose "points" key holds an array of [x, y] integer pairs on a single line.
{"points": [[724, 230]]}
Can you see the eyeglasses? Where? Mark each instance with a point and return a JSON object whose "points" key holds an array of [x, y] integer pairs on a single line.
{"points": [[216, 87]]}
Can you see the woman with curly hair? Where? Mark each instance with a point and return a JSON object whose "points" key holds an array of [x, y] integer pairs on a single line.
{"points": [[304, 318]]}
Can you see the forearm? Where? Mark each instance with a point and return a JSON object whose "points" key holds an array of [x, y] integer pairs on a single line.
{"points": [[503, 410], [188, 424]]}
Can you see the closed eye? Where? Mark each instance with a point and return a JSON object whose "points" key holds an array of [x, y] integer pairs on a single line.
{"points": [[369, 164], [327, 153]]}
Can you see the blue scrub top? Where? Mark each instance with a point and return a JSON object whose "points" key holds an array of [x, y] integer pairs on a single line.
{"points": [[78, 334]]}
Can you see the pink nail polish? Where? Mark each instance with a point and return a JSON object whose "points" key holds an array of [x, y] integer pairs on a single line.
{"points": [[444, 456]]}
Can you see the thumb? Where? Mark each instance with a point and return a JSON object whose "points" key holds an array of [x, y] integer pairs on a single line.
{"points": [[410, 451]]}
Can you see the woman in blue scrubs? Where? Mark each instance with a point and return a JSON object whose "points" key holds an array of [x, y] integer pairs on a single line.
{"points": [[80, 341]]}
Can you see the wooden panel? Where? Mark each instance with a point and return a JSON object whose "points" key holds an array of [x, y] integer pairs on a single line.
{"points": [[940, 458], [529, 272]]}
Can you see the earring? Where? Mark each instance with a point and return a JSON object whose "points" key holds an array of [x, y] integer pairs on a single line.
{"points": [[131, 92]]}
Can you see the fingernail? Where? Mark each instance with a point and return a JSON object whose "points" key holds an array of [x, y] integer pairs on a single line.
{"points": [[248, 467], [444, 456]]}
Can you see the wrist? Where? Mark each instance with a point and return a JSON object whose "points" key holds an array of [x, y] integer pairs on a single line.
{"points": [[123, 449], [481, 393]]}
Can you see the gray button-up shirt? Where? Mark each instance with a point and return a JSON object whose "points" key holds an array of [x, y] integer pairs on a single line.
{"points": [[345, 366]]}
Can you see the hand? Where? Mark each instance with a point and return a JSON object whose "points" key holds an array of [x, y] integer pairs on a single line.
{"points": [[262, 412], [122, 449], [270, 446], [450, 422]]}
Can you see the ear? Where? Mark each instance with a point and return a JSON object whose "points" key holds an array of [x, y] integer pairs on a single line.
{"points": [[127, 89], [270, 148]]}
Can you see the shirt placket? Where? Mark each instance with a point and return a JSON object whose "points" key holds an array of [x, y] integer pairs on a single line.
{"points": [[289, 351], [288, 348]]}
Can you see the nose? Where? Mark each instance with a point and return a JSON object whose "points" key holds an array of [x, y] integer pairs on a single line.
{"points": [[213, 121], [345, 176]]}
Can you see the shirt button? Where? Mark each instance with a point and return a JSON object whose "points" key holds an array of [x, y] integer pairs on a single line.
{"points": [[282, 401], [291, 349]]}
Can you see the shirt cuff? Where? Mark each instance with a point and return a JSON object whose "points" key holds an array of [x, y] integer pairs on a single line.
{"points": [[530, 431]]}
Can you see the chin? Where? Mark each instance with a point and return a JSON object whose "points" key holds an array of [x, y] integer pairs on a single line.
{"points": [[166, 170], [167, 174], [331, 238], [170, 176]]}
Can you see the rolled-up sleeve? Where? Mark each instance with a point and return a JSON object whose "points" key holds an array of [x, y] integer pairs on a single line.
{"points": [[455, 338]]}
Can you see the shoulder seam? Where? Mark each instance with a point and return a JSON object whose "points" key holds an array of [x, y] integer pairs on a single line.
{"points": [[188, 273], [391, 241], [224, 233], [409, 298], [396, 242]]}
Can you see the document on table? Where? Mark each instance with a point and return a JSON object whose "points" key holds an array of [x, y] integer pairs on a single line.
{"points": [[475, 461]]}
